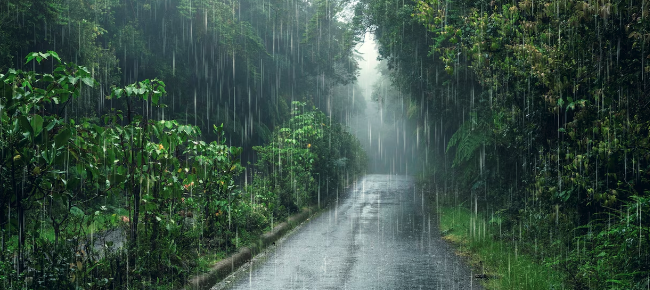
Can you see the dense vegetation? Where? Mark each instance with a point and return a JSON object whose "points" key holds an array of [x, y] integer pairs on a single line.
{"points": [[535, 115], [237, 62], [152, 184], [125, 171]]}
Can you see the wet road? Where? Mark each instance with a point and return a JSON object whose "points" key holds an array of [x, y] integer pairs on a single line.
{"points": [[380, 235]]}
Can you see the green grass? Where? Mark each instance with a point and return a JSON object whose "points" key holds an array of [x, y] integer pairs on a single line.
{"points": [[501, 261], [207, 261]]}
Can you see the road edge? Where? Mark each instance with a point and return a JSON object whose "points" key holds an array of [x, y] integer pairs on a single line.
{"points": [[230, 264]]}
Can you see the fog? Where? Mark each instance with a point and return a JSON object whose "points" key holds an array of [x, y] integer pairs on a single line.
{"points": [[384, 130]]}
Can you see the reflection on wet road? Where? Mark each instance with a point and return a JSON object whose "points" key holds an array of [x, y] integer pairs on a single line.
{"points": [[380, 235]]}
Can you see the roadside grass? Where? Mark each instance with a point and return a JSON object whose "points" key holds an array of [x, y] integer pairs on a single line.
{"points": [[498, 262], [207, 261]]}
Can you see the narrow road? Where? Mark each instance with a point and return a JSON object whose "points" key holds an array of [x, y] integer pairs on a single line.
{"points": [[380, 235]]}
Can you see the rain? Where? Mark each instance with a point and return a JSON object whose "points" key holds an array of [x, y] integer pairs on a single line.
{"points": [[343, 144]]}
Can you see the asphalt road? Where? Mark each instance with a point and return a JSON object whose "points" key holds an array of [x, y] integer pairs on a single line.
{"points": [[380, 235]]}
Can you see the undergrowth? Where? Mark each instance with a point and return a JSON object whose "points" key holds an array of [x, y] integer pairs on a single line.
{"points": [[498, 262]]}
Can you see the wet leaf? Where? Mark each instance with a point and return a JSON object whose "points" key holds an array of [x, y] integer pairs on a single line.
{"points": [[25, 126], [37, 124], [88, 81], [76, 211], [62, 138]]}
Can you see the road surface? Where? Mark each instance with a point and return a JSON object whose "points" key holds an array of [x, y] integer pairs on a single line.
{"points": [[380, 235]]}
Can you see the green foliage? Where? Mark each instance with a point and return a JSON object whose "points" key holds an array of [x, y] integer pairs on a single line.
{"points": [[468, 139], [614, 250], [501, 262], [78, 192], [230, 58], [58, 171], [288, 160], [304, 157], [556, 139], [70, 144]]}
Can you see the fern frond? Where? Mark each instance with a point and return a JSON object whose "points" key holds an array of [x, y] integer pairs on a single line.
{"points": [[468, 139], [413, 109]]}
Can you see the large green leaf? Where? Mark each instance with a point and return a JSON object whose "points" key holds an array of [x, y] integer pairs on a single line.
{"points": [[116, 179], [77, 211], [25, 126], [37, 124], [51, 124], [88, 81], [54, 55], [31, 56], [62, 138]]}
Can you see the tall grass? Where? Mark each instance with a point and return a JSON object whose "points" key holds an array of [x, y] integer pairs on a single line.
{"points": [[499, 262]]}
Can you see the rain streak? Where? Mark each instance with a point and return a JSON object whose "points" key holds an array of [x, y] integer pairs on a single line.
{"points": [[324, 144]]}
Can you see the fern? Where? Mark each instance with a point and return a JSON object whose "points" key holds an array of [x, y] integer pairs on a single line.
{"points": [[263, 131], [468, 138], [413, 109]]}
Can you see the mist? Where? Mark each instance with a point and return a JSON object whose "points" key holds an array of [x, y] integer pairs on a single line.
{"points": [[141, 142], [384, 129]]}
